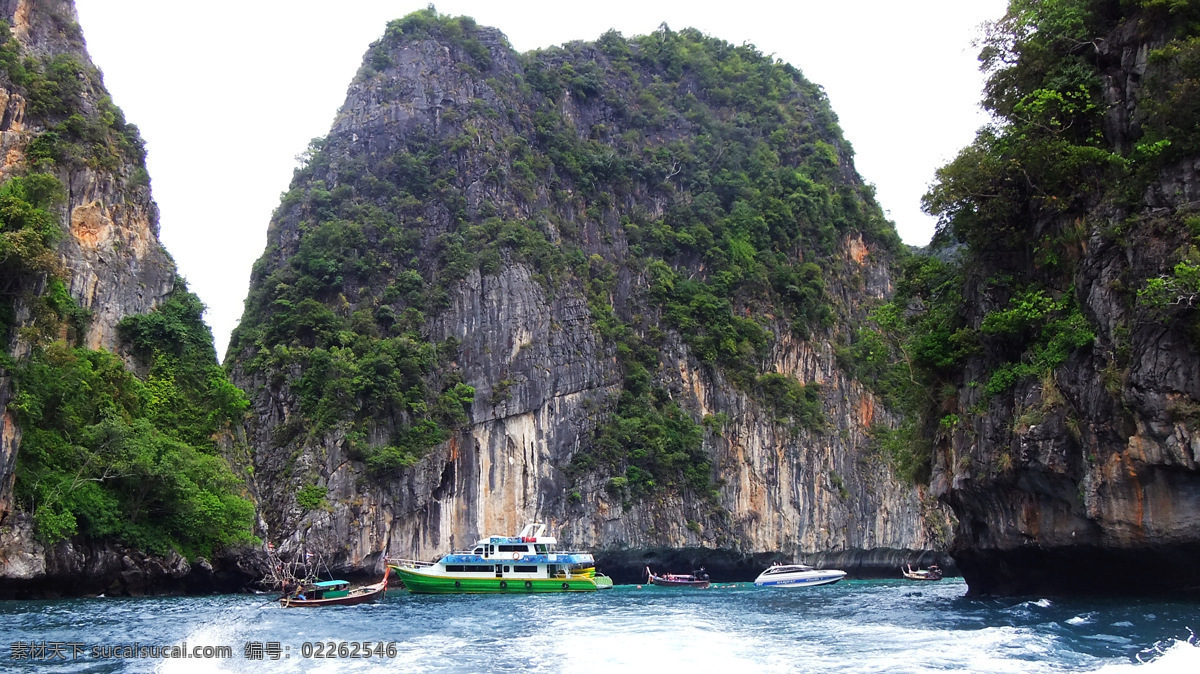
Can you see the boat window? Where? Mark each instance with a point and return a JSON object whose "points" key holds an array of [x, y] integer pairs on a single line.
{"points": [[477, 551], [525, 569], [514, 548], [791, 568], [508, 569]]}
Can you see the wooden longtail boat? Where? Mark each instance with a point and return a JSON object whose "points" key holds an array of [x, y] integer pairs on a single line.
{"points": [[334, 593], [697, 579], [932, 573]]}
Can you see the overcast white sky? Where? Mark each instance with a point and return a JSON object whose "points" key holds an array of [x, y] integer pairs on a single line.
{"points": [[227, 93]]}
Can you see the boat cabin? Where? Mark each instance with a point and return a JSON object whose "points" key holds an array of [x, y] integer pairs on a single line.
{"points": [[528, 555], [327, 589]]}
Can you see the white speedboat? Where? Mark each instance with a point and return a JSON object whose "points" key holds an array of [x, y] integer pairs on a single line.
{"points": [[797, 575]]}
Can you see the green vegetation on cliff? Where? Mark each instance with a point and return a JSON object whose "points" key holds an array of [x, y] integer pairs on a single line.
{"points": [[677, 182], [108, 455], [55, 88], [1017, 206], [75, 136], [104, 453]]}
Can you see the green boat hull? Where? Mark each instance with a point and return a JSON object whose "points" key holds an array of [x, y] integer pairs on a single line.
{"points": [[419, 583]]}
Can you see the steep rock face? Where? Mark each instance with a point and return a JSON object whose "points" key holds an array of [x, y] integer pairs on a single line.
{"points": [[115, 264], [533, 339], [112, 262], [81, 255], [1087, 480], [32, 570]]}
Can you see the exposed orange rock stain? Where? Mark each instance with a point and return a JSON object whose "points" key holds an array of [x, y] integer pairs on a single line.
{"points": [[857, 249], [140, 234], [12, 158], [10, 434], [1030, 519], [21, 18], [454, 448], [90, 224], [1139, 495], [866, 410]]}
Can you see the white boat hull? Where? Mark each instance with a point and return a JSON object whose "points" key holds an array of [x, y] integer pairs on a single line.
{"points": [[801, 579]]}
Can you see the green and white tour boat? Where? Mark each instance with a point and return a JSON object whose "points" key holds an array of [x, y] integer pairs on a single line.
{"points": [[527, 562]]}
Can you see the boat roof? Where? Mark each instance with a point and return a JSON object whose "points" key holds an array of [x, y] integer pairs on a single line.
{"points": [[331, 583], [534, 532], [517, 540]]}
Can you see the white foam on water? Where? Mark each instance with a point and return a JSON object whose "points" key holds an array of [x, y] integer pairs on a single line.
{"points": [[1079, 620], [429, 652], [371, 666], [222, 631], [1111, 638], [821, 647], [695, 646], [1172, 657], [885, 648]]}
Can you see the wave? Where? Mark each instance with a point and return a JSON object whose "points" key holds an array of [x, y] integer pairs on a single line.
{"points": [[1172, 655]]}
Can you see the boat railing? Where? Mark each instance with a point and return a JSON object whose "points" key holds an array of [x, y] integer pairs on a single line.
{"points": [[396, 561], [548, 552], [569, 575]]}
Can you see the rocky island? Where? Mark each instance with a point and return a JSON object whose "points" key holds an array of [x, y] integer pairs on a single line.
{"points": [[634, 288]]}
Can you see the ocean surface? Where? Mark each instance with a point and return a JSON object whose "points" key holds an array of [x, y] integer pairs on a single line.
{"points": [[854, 626]]}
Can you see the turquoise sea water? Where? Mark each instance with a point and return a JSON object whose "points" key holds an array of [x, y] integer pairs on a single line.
{"points": [[854, 626]]}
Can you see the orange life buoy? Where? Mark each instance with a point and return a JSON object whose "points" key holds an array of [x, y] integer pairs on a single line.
{"points": [[516, 555]]}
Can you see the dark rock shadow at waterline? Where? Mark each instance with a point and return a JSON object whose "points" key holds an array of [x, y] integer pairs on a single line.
{"points": [[1083, 571]]}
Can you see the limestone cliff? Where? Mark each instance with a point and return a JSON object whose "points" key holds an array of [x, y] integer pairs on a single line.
{"points": [[110, 252], [597, 285], [1084, 476], [81, 258]]}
